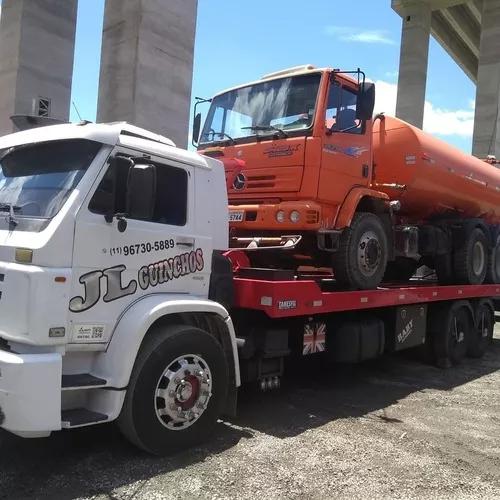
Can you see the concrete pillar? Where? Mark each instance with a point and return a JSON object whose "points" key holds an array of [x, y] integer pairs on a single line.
{"points": [[414, 55], [486, 139], [37, 40], [147, 65]]}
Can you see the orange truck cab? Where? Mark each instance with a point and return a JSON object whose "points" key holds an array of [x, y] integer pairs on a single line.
{"points": [[302, 177]]}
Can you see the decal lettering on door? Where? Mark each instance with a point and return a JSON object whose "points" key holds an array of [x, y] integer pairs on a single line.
{"points": [[148, 276]]}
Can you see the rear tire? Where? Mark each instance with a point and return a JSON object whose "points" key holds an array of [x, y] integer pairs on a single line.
{"points": [[361, 259], [471, 260], [176, 391], [493, 272], [482, 336], [443, 266], [452, 328]]}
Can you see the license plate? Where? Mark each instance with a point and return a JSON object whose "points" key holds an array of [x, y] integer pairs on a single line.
{"points": [[236, 216]]}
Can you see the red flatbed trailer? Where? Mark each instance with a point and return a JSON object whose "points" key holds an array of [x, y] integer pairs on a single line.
{"points": [[280, 313], [306, 297]]}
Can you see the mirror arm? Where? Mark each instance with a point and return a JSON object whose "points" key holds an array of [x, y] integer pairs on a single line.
{"points": [[199, 100]]}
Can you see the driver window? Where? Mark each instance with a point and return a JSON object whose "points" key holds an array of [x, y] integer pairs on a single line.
{"points": [[341, 111], [170, 200]]}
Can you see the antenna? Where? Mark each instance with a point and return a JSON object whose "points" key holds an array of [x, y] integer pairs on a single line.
{"points": [[76, 109]]}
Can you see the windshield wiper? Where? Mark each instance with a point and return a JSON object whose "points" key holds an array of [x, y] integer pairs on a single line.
{"points": [[11, 209], [221, 135], [272, 128]]}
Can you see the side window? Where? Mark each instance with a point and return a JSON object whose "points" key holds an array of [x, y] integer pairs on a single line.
{"points": [[170, 200], [341, 111], [171, 195]]}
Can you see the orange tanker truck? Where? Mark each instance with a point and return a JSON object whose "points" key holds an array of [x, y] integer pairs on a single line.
{"points": [[313, 176]]}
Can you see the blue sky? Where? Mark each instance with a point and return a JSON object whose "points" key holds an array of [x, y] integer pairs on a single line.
{"points": [[238, 41]]}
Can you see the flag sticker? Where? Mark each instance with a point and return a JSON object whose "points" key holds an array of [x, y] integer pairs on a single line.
{"points": [[314, 338]]}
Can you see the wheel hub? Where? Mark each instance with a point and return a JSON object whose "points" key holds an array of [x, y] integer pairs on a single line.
{"points": [[369, 253], [478, 258], [183, 392], [458, 331]]}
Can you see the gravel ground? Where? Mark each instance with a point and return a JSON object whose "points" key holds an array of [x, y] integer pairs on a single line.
{"points": [[393, 428]]}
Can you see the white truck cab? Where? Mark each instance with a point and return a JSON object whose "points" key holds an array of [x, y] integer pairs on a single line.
{"points": [[107, 239]]}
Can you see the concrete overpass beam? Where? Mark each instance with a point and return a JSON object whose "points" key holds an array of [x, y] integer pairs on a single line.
{"points": [[463, 22], [147, 65], [450, 40], [37, 41], [416, 28], [487, 117]]}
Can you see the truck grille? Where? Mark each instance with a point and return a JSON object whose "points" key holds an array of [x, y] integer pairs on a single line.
{"points": [[261, 181]]}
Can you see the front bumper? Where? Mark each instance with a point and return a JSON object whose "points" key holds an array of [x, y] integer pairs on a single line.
{"points": [[263, 216], [30, 393]]}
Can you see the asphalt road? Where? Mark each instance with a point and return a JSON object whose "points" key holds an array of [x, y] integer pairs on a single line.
{"points": [[393, 428]]}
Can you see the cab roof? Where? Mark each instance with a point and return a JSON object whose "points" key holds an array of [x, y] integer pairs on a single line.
{"points": [[106, 133], [112, 134], [294, 71]]}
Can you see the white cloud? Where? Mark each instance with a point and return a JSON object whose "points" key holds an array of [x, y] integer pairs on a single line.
{"points": [[457, 122], [347, 34], [393, 75]]}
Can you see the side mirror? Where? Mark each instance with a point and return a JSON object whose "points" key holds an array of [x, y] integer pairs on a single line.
{"points": [[366, 101], [141, 192], [196, 128]]}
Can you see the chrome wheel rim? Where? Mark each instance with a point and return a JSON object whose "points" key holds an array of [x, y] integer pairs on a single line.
{"points": [[183, 392], [369, 253]]}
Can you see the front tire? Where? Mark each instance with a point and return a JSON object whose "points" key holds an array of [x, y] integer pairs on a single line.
{"points": [[177, 390], [361, 260]]}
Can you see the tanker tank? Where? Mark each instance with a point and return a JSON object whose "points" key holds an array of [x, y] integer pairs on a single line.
{"points": [[431, 178]]}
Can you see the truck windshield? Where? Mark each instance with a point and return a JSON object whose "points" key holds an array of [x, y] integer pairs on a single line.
{"points": [[268, 108], [36, 179]]}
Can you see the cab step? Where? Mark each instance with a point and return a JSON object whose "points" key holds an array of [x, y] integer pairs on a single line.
{"points": [[81, 381], [79, 417]]}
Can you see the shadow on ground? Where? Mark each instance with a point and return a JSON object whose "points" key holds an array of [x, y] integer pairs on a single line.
{"points": [[97, 460]]}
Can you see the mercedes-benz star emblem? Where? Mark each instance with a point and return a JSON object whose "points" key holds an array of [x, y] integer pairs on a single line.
{"points": [[239, 182]]}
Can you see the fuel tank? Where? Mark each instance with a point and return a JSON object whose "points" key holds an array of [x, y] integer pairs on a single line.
{"points": [[431, 178]]}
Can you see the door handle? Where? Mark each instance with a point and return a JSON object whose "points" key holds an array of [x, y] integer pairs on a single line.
{"points": [[185, 242], [364, 170]]}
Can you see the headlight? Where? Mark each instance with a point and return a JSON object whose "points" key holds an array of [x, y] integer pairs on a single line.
{"points": [[280, 216], [294, 216]]}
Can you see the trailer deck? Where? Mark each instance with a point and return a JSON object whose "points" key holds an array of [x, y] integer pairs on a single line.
{"points": [[280, 298]]}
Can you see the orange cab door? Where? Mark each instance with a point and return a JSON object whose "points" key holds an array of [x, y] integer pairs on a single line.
{"points": [[346, 156]]}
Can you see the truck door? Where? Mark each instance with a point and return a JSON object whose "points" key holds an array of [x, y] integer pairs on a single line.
{"points": [[114, 265], [345, 159]]}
